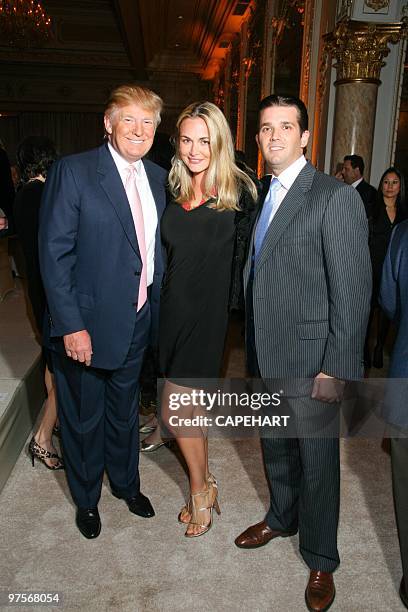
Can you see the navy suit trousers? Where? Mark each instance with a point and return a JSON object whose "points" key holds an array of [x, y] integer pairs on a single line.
{"points": [[99, 415]]}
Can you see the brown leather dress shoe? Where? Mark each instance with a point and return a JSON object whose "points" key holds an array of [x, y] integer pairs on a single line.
{"points": [[320, 591], [259, 535]]}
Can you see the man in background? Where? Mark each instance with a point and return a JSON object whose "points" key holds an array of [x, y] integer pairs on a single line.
{"points": [[353, 171]]}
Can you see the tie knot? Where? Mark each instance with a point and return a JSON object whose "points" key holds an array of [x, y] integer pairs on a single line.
{"points": [[131, 171], [275, 184]]}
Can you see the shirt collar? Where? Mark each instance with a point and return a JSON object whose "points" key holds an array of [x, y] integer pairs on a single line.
{"points": [[356, 183], [122, 164], [289, 175]]}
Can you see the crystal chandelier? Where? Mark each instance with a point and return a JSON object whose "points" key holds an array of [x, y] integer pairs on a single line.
{"points": [[23, 23]]}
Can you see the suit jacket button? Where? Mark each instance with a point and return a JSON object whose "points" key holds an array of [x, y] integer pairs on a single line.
{"points": [[137, 273]]}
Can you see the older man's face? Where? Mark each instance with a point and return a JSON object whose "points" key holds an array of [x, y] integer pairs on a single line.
{"points": [[131, 130]]}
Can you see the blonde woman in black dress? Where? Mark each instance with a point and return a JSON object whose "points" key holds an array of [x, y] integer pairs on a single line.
{"points": [[205, 229]]}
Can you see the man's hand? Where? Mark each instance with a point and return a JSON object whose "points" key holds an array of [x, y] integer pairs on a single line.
{"points": [[3, 223], [327, 388], [78, 346]]}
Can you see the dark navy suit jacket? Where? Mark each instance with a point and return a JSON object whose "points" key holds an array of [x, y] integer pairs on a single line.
{"points": [[394, 302], [89, 256]]}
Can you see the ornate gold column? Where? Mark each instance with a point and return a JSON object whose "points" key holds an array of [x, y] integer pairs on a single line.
{"points": [[242, 88], [309, 10], [358, 49]]}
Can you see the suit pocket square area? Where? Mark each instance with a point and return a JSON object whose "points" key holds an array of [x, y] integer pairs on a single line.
{"points": [[313, 330]]}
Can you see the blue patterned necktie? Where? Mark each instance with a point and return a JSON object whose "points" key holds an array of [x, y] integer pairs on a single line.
{"points": [[263, 221]]}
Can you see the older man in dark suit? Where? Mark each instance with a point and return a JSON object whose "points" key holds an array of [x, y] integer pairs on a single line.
{"points": [[394, 302], [102, 266], [308, 286]]}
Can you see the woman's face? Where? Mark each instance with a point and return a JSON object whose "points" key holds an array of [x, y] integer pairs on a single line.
{"points": [[194, 145], [391, 185]]}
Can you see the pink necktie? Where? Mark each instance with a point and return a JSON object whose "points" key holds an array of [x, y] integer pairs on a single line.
{"points": [[137, 214]]}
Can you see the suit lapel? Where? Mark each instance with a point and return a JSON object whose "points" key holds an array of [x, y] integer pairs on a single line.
{"points": [[112, 185], [361, 187], [290, 205]]}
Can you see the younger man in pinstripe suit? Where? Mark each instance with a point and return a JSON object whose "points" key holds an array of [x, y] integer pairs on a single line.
{"points": [[308, 288]]}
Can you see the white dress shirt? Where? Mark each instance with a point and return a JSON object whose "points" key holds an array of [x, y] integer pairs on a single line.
{"points": [[148, 205], [356, 183], [286, 179]]}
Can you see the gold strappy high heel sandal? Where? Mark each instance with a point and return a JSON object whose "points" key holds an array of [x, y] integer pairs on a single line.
{"points": [[200, 503], [186, 509]]}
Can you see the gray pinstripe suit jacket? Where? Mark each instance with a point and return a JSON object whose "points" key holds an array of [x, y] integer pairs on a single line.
{"points": [[312, 282]]}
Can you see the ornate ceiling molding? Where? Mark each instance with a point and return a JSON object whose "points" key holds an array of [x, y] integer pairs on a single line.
{"points": [[130, 26], [377, 5], [189, 36], [71, 58]]}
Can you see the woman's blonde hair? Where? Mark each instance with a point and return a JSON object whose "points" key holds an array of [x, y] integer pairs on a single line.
{"points": [[223, 176]]}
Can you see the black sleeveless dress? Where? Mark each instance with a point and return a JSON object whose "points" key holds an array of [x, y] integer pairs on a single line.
{"points": [[194, 300]]}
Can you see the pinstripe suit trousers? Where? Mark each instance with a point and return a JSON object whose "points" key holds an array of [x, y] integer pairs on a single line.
{"points": [[304, 481]]}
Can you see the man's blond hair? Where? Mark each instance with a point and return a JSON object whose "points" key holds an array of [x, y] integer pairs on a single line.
{"points": [[134, 94]]}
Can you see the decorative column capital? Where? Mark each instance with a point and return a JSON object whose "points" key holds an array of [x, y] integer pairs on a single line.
{"points": [[359, 48]]}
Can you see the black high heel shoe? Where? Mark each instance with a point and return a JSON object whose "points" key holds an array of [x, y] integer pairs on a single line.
{"points": [[42, 454]]}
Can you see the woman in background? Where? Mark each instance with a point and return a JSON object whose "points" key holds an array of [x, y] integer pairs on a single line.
{"points": [[205, 231], [389, 210], [34, 157]]}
